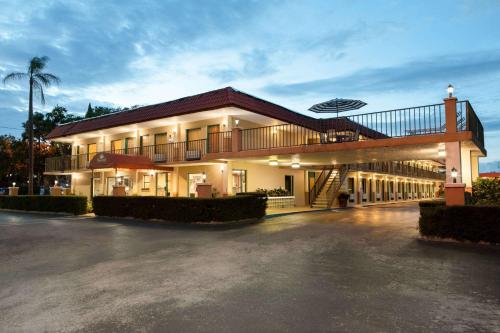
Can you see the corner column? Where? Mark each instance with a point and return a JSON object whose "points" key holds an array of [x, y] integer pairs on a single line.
{"points": [[454, 189]]}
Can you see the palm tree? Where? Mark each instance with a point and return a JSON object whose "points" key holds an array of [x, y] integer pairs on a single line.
{"points": [[37, 81]]}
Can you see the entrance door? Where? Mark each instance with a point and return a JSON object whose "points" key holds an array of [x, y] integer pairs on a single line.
{"points": [[193, 180], [239, 181], [112, 181], [162, 184], [213, 138]]}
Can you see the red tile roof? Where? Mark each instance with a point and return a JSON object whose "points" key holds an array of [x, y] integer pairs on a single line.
{"points": [[202, 102]]}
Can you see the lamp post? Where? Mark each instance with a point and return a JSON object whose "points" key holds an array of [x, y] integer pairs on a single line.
{"points": [[450, 90], [454, 174]]}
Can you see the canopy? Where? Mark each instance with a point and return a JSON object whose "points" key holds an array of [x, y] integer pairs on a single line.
{"points": [[337, 105], [119, 161]]}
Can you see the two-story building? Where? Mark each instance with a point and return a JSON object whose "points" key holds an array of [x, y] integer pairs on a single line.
{"points": [[240, 143]]}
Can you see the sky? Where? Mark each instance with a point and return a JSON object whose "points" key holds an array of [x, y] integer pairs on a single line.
{"points": [[390, 54]]}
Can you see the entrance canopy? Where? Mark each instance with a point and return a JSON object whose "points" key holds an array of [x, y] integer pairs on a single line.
{"points": [[119, 161]]}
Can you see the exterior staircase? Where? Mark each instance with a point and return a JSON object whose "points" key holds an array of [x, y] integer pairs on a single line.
{"points": [[330, 187]]}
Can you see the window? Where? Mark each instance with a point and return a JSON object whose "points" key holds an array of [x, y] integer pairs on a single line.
{"points": [[116, 146], [289, 184], [146, 181], [91, 150]]}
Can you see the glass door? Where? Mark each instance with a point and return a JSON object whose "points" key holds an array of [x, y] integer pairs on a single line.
{"points": [[239, 181]]}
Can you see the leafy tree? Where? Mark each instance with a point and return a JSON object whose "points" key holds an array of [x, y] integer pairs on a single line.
{"points": [[486, 191], [37, 80]]}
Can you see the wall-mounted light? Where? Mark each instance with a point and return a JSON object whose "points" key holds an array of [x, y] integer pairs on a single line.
{"points": [[204, 177], [236, 122], [450, 91], [273, 163], [295, 165], [454, 174], [441, 153]]}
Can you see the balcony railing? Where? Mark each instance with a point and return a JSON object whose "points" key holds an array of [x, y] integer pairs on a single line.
{"points": [[421, 120], [397, 168]]}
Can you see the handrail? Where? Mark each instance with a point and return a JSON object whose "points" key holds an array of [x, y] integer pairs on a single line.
{"points": [[319, 183], [333, 190]]}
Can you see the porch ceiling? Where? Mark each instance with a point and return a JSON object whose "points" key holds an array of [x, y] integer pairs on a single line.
{"points": [[424, 152]]}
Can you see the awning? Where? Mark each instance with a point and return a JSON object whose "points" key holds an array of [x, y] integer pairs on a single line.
{"points": [[119, 161]]}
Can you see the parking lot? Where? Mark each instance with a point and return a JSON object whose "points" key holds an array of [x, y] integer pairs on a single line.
{"points": [[356, 270]]}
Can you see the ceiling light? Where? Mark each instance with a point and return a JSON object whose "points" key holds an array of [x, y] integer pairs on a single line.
{"points": [[441, 153], [273, 162], [295, 165]]}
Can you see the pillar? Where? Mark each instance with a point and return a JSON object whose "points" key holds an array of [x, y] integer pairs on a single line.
{"points": [[236, 139], [454, 189]]}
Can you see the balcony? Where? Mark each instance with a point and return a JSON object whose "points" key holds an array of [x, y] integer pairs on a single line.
{"points": [[407, 122]]}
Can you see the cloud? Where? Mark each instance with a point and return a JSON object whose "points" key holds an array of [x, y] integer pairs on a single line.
{"points": [[255, 63], [435, 71]]}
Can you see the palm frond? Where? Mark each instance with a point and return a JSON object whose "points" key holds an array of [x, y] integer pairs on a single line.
{"points": [[14, 77], [37, 64], [47, 79], [38, 90]]}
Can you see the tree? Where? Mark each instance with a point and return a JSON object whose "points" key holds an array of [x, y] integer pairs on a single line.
{"points": [[37, 80], [99, 111]]}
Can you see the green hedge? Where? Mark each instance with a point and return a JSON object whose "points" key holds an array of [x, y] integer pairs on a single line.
{"points": [[45, 203], [471, 223], [185, 210]]}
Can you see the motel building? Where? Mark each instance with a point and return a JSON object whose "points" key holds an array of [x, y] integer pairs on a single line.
{"points": [[225, 142]]}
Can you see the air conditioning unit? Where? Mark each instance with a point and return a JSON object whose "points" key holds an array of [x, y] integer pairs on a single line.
{"points": [[192, 155], [159, 158]]}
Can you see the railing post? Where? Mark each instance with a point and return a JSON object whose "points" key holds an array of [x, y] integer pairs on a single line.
{"points": [[450, 109], [236, 139]]}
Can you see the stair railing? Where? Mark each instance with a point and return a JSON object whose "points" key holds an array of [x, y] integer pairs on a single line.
{"points": [[319, 184], [333, 191]]}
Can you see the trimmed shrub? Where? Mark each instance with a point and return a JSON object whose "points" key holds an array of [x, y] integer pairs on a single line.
{"points": [[185, 210], [44, 203], [471, 223], [486, 191]]}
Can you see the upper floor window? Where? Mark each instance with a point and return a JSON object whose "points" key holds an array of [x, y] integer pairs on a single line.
{"points": [[116, 145], [91, 150]]}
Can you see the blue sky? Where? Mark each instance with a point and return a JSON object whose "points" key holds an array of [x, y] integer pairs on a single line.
{"points": [[296, 53]]}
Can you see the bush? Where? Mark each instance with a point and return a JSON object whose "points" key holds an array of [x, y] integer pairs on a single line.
{"points": [[486, 191], [276, 192], [472, 223], [186, 210], [44, 203]]}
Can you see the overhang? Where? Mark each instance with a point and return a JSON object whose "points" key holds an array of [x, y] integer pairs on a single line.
{"points": [[119, 161]]}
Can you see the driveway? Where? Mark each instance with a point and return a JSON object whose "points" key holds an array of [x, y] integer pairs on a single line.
{"points": [[358, 270]]}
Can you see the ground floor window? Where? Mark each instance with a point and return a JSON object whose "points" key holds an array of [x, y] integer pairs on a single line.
{"points": [[97, 186], [289, 184], [114, 181], [146, 182], [193, 180], [239, 180], [162, 183]]}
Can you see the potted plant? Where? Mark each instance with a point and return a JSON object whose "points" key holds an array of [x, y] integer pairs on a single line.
{"points": [[343, 197]]}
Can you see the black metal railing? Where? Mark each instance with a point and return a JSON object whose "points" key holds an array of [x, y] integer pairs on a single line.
{"points": [[219, 142], [320, 182], [474, 125], [398, 169], [285, 135]]}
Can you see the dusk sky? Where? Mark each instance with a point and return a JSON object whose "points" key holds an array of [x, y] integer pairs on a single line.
{"points": [[390, 54]]}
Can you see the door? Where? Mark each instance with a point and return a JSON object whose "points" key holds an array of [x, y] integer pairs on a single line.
{"points": [[193, 135], [193, 180], [213, 138], [239, 181]]}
